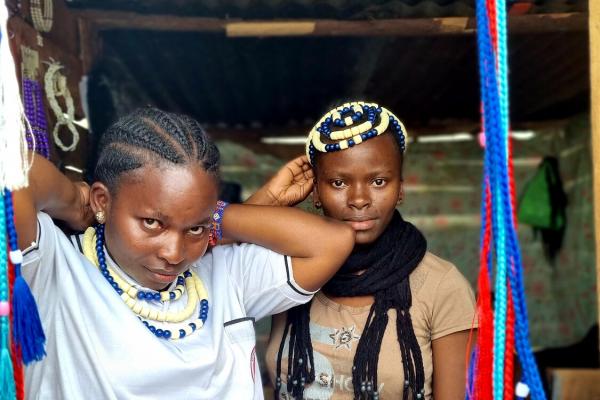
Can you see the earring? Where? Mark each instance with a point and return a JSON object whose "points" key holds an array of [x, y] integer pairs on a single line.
{"points": [[317, 205], [100, 218]]}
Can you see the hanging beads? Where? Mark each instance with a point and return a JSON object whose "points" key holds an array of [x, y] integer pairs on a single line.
{"points": [[37, 135]]}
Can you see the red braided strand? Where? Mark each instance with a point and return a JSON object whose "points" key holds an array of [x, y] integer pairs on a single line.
{"points": [[510, 349], [485, 339]]}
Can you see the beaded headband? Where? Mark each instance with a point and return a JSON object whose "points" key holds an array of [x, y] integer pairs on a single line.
{"points": [[359, 119]]}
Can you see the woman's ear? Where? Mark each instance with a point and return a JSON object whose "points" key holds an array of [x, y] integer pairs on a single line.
{"points": [[401, 193], [100, 198], [315, 195]]}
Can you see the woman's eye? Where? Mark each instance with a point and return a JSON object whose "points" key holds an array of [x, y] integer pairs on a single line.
{"points": [[379, 182], [151, 223], [197, 230], [338, 183]]}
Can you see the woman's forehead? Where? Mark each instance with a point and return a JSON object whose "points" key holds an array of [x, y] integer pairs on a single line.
{"points": [[379, 153], [169, 189]]}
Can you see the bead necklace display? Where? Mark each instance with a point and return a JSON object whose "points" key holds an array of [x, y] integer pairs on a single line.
{"points": [[42, 18], [55, 85], [372, 121], [37, 135], [197, 301]]}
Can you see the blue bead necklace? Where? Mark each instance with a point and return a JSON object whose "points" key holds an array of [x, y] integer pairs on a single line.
{"points": [[141, 295], [176, 331]]}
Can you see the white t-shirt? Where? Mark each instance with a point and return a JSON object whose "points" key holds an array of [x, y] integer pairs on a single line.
{"points": [[97, 348]]}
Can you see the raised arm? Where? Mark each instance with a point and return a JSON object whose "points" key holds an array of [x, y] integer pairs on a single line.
{"points": [[52, 192], [318, 246]]}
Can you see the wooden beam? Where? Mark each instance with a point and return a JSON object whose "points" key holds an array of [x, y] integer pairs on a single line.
{"points": [[594, 28], [530, 23], [106, 20], [435, 127], [270, 28], [251, 137], [90, 44]]}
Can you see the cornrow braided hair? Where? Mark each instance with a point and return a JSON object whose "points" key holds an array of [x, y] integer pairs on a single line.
{"points": [[149, 135], [389, 261]]}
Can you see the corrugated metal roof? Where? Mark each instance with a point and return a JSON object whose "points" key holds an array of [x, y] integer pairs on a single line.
{"points": [[334, 9], [293, 80]]}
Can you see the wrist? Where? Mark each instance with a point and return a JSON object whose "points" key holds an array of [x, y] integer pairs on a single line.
{"points": [[262, 198], [65, 206]]}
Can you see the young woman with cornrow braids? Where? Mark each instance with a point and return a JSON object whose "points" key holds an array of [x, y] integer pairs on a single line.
{"points": [[135, 308], [394, 322]]}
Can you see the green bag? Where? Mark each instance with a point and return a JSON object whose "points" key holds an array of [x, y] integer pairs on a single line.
{"points": [[543, 205], [543, 200]]}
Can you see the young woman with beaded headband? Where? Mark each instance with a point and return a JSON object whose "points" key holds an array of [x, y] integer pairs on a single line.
{"points": [[393, 323], [134, 308]]}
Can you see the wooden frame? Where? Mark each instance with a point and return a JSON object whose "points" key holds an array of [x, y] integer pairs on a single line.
{"points": [[594, 29], [529, 23]]}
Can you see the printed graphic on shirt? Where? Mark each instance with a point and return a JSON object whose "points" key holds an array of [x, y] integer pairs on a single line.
{"points": [[327, 379], [344, 337]]}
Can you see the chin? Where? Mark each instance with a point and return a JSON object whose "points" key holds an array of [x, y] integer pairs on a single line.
{"points": [[365, 237]]}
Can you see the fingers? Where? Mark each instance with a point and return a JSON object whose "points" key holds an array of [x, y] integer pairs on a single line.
{"points": [[300, 166], [305, 163], [309, 174]]}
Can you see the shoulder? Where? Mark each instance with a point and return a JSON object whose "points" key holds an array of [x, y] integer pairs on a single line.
{"points": [[444, 296], [49, 240], [435, 277], [50, 255]]}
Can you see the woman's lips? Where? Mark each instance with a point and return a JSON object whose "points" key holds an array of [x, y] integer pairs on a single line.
{"points": [[362, 225], [160, 277]]}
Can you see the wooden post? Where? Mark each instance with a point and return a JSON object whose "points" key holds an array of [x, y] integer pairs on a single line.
{"points": [[594, 29]]}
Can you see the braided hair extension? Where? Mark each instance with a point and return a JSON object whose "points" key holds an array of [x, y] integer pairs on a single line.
{"points": [[138, 138], [389, 262]]}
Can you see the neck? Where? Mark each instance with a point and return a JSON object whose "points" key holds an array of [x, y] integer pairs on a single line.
{"points": [[355, 301]]}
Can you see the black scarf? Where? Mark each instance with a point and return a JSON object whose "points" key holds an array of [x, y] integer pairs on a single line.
{"points": [[387, 264]]}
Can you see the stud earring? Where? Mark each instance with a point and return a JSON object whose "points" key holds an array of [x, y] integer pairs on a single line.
{"points": [[318, 205], [100, 218]]}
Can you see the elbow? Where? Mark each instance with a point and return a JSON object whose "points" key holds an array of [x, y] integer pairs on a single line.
{"points": [[342, 245], [330, 256], [347, 240]]}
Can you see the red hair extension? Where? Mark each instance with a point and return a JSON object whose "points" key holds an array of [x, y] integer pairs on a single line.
{"points": [[485, 340]]}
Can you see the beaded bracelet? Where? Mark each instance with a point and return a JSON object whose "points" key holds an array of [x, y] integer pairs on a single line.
{"points": [[216, 233]]}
